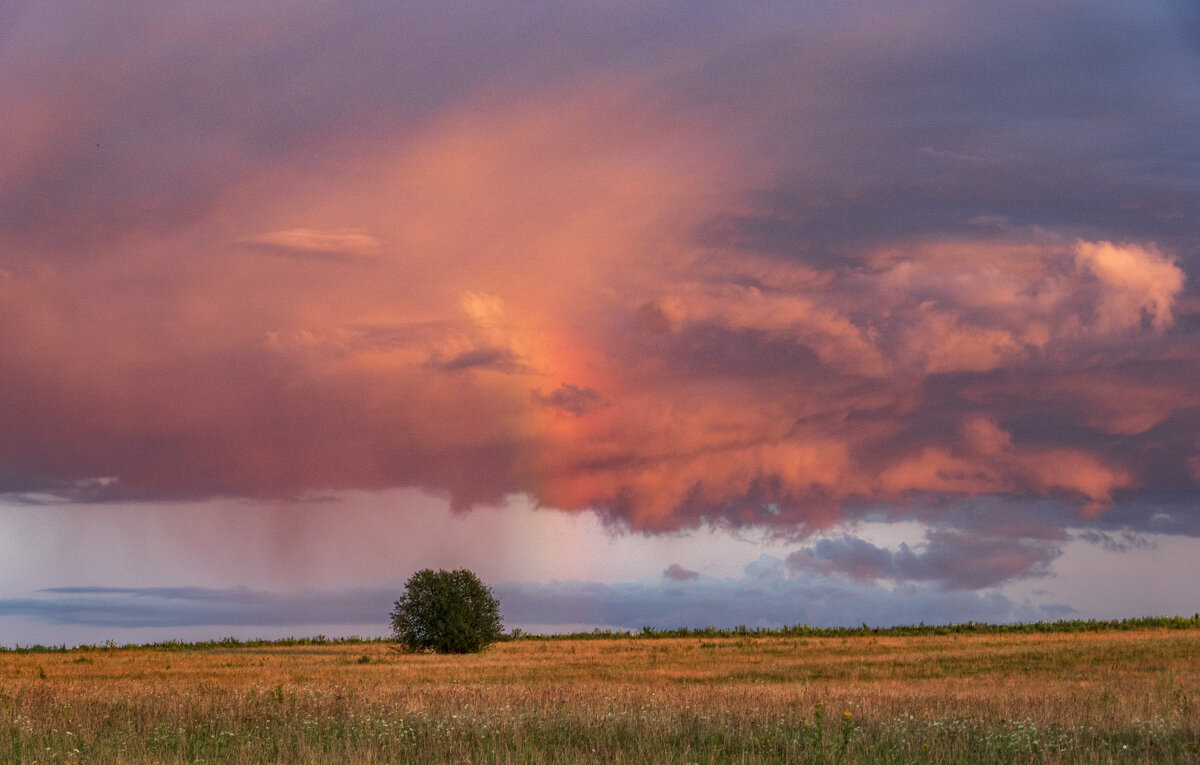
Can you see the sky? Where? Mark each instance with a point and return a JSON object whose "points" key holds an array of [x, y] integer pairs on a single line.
{"points": [[662, 313]]}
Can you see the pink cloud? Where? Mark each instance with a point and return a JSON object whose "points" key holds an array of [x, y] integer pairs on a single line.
{"points": [[558, 285], [678, 573], [315, 242]]}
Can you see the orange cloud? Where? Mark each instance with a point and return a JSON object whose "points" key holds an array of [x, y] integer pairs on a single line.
{"points": [[989, 463], [1138, 284], [513, 297]]}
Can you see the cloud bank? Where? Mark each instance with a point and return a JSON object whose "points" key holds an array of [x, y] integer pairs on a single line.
{"points": [[758, 600]]}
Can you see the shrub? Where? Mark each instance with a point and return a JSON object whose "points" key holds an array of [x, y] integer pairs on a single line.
{"points": [[446, 612]]}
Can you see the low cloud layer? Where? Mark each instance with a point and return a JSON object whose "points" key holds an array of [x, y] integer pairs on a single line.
{"points": [[139, 607], [562, 606], [732, 264], [950, 559]]}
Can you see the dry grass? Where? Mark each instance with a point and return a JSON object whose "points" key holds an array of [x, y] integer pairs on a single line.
{"points": [[1098, 697]]}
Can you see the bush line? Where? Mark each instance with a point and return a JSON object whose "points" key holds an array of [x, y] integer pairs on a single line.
{"points": [[651, 633], [907, 630]]}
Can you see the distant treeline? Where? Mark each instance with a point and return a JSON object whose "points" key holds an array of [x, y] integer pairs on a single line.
{"points": [[650, 633], [908, 630]]}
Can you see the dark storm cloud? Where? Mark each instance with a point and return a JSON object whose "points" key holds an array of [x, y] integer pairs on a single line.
{"points": [[138, 116], [818, 258], [959, 119]]}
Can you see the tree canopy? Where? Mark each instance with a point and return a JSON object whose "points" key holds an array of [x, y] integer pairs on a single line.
{"points": [[446, 612]]}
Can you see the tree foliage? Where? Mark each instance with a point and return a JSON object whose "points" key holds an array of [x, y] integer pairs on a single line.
{"points": [[446, 612]]}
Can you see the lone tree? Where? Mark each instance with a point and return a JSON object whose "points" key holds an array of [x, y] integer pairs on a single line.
{"points": [[446, 612]]}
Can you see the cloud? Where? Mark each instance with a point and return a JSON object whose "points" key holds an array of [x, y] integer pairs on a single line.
{"points": [[754, 602], [764, 567], [693, 601], [918, 316], [499, 359], [308, 242], [744, 264], [1123, 542], [572, 399], [678, 573], [138, 607], [950, 559], [1139, 284]]}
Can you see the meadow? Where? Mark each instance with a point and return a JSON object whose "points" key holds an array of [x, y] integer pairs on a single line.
{"points": [[1105, 696]]}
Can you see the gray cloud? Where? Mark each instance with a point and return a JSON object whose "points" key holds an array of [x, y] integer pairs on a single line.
{"points": [[1123, 542], [124, 607], [1076, 115], [572, 399], [756, 602], [498, 359], [1068, 116], [950, 559]]}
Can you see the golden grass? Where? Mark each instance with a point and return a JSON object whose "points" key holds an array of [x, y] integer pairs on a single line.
{"points": [[685, 699]]}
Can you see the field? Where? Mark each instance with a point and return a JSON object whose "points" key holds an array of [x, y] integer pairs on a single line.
{"points": [[1093, 697]]}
